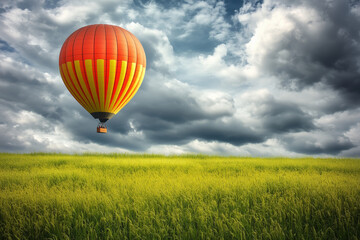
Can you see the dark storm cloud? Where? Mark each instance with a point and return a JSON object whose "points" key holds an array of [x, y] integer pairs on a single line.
{"points": [[26, 88], [233, 132], [175, 105], [86, 133], [81, 127], [172, 113], [185, 123], [276, 116], [312, 144], [323, 46], [279, 117]]}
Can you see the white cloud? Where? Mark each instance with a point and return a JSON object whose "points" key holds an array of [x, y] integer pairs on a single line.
{"points": [[206, 13], [213, 70], [271, 147], [159, 51], [74, 11], [166, 149], [339, 121], [215, 102], [354, 134], [273, 29]]}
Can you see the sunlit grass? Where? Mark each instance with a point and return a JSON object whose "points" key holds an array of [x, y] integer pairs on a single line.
{"points": [[121, 196]]}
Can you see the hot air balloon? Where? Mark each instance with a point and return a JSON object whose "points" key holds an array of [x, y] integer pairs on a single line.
{"points": [[103, 67]]}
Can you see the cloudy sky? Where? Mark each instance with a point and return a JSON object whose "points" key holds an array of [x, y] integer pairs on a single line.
{"points": [[259, 78]]}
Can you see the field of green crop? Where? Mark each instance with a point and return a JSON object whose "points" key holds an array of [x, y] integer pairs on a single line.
{"points": [[114, 196]]}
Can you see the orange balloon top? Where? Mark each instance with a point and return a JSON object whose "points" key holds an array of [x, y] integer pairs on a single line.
{"points": [[102, 41]]}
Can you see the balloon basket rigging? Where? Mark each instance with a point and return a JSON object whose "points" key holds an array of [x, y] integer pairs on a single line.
{"points": [[101, 128]]}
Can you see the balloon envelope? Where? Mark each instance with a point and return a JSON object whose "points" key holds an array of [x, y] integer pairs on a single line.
{"points": [[103, 67]]}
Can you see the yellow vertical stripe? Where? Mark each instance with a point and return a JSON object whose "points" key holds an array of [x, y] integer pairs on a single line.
{"points": [[112, 73], [90, 77], [101, 82], [94, 101], [136, 87], [83, 84], [131, 76], [72, 89], [134, 91], [130, 90], [119, 85], [67, 85], [77, 86]]}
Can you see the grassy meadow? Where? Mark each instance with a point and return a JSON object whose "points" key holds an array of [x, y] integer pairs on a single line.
{"points": [[119, 196]]}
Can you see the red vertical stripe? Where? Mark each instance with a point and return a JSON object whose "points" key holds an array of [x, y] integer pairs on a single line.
{"points": [[111, 43], [62, 53], [88, 43], [99, 42], [69, 48], [122, 46], [140, 51], [78, 44]]}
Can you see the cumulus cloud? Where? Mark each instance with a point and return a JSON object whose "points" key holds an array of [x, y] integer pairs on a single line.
{"points": [[159, 52], [304, 43], [256, 78]]}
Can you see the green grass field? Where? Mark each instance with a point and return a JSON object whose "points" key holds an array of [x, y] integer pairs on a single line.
{"points": [[94, 196]]}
